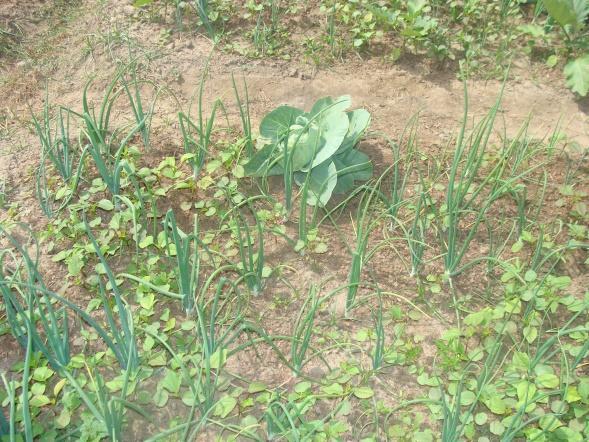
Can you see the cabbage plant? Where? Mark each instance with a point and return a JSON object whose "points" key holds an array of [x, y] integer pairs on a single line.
{"points": [[316, 149]]}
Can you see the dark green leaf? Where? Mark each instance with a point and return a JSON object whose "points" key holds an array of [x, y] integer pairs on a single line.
{"points": [[351, 166], [259, 164], [322, 181], [278, 122]]}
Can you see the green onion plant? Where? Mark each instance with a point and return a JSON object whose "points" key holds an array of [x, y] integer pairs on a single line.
{"points": [[285, 421], [186, 248], [58, 151], [251, 266], [123, 331], [8, 425], [303, 331], [202, 9], [196, 137], [55, 144], [25, 301], [469, 196], [132, 88], [33, 317], [244, 113], [104, 147], [366, 222], [107, 409], [377, 354]]}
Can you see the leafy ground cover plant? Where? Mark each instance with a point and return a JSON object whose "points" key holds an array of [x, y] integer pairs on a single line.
{"points": [[316, 150], [571, 16]]}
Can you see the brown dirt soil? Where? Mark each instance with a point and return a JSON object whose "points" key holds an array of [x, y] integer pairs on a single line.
{"points": [[89, 44]]}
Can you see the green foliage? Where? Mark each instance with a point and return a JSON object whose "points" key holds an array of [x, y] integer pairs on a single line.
{"points": [[577, 75], [571, 15], [189, 335], [315, 149], [25, 300], [57, 152], [568, 12], [187, 253]]}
